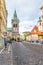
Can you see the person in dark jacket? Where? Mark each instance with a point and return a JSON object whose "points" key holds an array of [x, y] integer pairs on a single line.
{"points": [[5, 41]]}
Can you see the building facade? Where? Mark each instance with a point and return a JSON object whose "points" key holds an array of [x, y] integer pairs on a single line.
{"points": [[15, 26], [40, 24], [3, 19], [9, 32], [34, 33]]}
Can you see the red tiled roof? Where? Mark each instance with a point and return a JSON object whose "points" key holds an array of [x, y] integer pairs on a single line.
{"points": [[36, 31]]}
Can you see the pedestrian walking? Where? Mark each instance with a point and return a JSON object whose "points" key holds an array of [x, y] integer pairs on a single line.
{"points": [[5, 41]]}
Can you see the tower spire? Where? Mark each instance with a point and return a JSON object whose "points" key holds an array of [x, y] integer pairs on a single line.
{"points": [[15, 18], [41, 8], [39, 19], [15, 14]]}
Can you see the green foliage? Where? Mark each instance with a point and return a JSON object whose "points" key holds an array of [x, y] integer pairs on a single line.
{"points": [[14, 39], [25, 35], [11, 39], [18, 38]]}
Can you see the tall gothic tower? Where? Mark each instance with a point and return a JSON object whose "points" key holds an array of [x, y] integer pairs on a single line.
{"points": [[41, 12], [40, 22], [15, 25]]}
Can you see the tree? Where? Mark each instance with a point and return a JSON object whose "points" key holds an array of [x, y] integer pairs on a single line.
{"points": [[25, 35], [18, 38]]}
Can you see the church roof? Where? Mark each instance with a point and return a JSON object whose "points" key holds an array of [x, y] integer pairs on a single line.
{"points": [[34, 30], [15, 17], [9, 29]]}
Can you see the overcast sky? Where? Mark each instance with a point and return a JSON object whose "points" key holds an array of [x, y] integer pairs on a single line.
{"points": [[28, 12]]}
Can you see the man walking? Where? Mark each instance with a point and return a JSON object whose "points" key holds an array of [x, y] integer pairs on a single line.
{"points": [[5, 41]]}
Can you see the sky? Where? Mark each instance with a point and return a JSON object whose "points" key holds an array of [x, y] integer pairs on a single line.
{"points": [[28, 12]]}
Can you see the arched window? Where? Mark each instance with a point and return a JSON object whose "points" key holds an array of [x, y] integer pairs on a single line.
{"points": [[40, 23], [13, 25], [16, 25]]}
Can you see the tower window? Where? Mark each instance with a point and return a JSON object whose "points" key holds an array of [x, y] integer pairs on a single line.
{"points": [[16, 25], [40, 23]]}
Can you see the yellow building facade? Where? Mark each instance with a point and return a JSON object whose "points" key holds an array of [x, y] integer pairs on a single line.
{"points": [[3, 19]]}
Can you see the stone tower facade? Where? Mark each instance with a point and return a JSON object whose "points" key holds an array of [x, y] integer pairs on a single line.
{"points": [[40, 23], [15, 26]]}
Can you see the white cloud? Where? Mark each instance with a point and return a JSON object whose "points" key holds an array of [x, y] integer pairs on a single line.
{"points": [[25, 8], [27, 25]]}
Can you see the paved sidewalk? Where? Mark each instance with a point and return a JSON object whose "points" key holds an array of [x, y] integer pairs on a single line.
{"points": [[6, 57]]}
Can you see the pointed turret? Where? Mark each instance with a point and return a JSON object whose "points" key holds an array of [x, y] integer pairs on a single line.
{"points": [[15, 14], [39, 19]]}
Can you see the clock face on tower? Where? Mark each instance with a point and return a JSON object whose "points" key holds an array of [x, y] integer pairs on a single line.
{"points": [[15, 29]]}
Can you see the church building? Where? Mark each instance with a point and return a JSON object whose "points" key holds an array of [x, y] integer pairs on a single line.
{"points": [[15, 26], [40, 24]]}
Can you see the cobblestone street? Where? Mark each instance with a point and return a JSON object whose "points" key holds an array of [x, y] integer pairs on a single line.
{"points": [[22, 53], [5, 57], [21, 32]]}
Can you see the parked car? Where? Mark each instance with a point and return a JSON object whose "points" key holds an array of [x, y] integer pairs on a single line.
{"points": [[41, 41], [37, 41], [32, 41]]}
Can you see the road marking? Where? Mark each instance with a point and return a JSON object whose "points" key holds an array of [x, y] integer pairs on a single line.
{"points": [[9, 48], [2, 50]]}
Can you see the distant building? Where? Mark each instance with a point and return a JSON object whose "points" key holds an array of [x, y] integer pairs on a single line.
{"points": [[9, 32], [37, 31], [15, 26], [34, 33]]}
